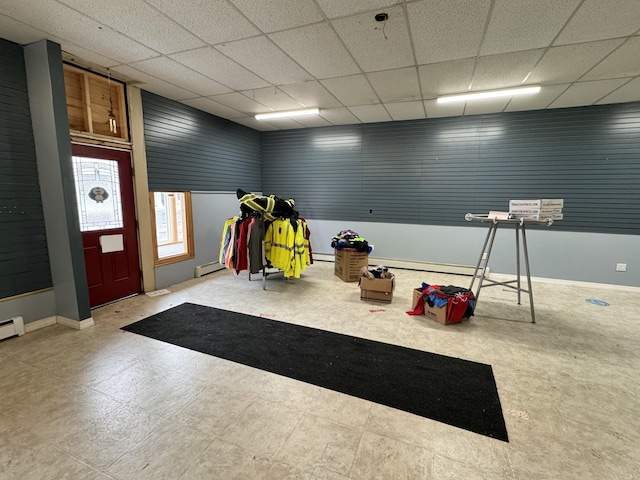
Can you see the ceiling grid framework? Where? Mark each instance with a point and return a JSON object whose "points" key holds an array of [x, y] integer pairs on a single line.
{"points": [[237, 58]]}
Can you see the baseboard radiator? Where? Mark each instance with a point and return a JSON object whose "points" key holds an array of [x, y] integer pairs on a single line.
{"points": [[208, 268], [11, 327]]}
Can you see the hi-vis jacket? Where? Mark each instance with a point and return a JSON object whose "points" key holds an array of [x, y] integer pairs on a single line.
{"points": [[287, 248]]}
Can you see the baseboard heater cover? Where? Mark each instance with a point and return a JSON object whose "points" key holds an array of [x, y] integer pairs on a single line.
{"points": [[11, 327], [208, 268]]}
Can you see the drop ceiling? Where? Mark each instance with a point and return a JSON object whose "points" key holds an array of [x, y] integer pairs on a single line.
{"points": [[237, 58]]}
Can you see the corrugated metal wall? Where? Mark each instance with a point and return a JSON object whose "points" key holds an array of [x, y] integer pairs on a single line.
{"points": [[24, 259], [190, 150], [434, 171]]}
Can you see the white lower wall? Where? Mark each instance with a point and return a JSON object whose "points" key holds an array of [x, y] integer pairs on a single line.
{"points": [[584, 257]]}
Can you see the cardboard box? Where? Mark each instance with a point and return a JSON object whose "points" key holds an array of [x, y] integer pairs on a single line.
{"points": [[551, 203], [348, 263], [437, 314], [523, 204], [377, 289]]}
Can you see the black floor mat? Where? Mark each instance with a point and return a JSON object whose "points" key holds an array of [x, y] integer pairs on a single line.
{"points": [[446, 389]]}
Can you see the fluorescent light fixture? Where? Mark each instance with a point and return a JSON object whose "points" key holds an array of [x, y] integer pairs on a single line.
{"points": [[293, 113], [492, 94]]}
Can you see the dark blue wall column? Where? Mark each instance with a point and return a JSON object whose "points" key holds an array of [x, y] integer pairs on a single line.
{"points": [[47, 100]]}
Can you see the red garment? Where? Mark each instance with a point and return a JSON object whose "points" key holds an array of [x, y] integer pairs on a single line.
{"points": [[242, 252], [456, 304]]}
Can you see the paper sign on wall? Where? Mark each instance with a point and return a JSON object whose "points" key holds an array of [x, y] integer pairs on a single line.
{"points": [[112, 243]]}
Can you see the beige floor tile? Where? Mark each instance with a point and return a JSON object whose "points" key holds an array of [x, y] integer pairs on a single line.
{"points": [[166, 454], [339, 408], [447, 469], [262, 428], [105, 440], [383, 458], [317, 442], [77, 401]]}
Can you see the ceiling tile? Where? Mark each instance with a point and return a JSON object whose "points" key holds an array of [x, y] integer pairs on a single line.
{"points": [[352, 90], [213, 107], [67, 24], [399, 85], [600, 20], [153, 84], [365, 39], [214, 21], [338, 116], [370, 113], [586, 93], [178, 74], [214, 64], [333, 9], [274, 15], [78, 55], [436, 110], [140, 21], [624, 62], [525, 25], [18, 32], [447, 77], [444, 30], [488, 105], [312, 121], [318, 49], [251, 122], [274, 99], [239, 102], [406, 110], [569, 62], [538, 101], [167, 90], [265, 59], [504, 70], [311, 94], [629, 92]]}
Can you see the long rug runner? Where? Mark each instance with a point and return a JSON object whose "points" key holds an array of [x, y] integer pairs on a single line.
{"points": [[446, 389]]}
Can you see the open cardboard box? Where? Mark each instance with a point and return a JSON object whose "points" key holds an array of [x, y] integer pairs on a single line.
{"points": [[377, 289]]}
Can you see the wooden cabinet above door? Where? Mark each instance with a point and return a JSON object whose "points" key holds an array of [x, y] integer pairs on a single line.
{"points": [[95, 105]]}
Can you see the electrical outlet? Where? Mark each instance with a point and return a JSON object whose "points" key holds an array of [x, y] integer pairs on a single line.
{"points": [[621, 267]]}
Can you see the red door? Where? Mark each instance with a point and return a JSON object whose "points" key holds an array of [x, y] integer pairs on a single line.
{"points": [[104, 187]]}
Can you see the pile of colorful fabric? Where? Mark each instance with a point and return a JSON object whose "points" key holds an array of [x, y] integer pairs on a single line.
{"points": [[460, 301], [350, 239]]}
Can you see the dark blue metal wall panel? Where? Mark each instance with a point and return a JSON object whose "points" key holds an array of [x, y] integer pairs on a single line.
{"points": [[434, 171], [190, 150], [24, 259]]}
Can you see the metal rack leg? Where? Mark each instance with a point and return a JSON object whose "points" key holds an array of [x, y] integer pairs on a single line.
{"points": [[492, 234], [482, 252], [526, 261], [518, 260]]}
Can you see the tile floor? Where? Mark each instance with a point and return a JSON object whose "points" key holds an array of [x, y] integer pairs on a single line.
{"points": [[107, 404]]}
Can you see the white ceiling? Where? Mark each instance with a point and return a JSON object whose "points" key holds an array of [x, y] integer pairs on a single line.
{"points": [[236, 58]]}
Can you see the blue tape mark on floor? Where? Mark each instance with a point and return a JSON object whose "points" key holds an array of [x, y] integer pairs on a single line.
{"points": [[602, 303]]}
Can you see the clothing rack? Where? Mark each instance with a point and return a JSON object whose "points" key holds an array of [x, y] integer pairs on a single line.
{"points": [[485, 253], [274, 219], [265, 273]]}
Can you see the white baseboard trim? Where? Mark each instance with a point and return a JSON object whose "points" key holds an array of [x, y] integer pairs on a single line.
{"points": [[77, 324], [67, 322], [559, 281], [410, 265], [38, 324]]}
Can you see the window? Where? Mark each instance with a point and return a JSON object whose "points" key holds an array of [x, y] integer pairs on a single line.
{"points": [[172, 226]]}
